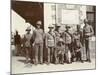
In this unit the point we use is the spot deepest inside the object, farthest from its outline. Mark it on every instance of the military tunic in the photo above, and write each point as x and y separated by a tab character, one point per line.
58	48
27	38
67	40
50	44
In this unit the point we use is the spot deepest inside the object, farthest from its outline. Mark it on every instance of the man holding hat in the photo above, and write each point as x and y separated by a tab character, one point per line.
50	43
87	33
38	36
27	38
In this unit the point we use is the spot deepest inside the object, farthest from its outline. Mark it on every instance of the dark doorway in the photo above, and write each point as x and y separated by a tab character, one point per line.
30	11
91	16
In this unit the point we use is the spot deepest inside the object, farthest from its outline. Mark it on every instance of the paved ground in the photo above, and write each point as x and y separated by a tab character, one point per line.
18	65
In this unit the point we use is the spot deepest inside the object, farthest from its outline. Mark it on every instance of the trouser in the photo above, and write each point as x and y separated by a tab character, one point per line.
78	56
18	49
38	53
50	54
56	56
61	57
28	53
67	54
87	49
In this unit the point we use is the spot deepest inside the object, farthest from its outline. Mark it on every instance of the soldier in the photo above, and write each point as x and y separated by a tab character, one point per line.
67	39
17	42
50	44
38	36
77	46
27	38
79	31
87	33
60	51
57	36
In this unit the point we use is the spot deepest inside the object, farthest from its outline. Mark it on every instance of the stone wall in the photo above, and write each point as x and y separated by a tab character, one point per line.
53	15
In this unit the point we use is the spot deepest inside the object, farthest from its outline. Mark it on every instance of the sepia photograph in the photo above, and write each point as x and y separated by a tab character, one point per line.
52	37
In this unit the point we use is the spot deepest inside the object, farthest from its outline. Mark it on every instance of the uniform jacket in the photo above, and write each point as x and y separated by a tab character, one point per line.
50	39
57	36
27	39
67	37
87	31
38	36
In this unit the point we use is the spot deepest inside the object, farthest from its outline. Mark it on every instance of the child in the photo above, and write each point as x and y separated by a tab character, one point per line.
60	51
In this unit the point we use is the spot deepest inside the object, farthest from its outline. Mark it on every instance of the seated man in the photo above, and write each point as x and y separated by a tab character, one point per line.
60	51
77	47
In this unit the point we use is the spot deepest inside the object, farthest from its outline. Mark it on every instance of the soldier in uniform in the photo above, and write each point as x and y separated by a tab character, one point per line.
37	37
50	44
77	46
57	36
80	33
87	33
67	39
27	38
60	49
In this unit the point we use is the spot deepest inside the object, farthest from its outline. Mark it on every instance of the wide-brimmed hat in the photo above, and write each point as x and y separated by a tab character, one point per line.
78	26
51	26
58	25
67	26
86	20
39	22
28	29
16	31
61	40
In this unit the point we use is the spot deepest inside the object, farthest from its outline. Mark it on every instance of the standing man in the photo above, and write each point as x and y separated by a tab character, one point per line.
57	36
79	35
87	33
67	39
17	42
50	44
38	36
28	50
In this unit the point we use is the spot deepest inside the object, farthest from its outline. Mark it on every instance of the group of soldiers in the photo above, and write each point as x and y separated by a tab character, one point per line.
54	46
